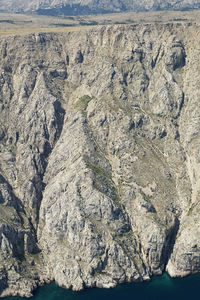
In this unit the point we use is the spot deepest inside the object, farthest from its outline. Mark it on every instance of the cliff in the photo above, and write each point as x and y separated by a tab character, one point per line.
99	156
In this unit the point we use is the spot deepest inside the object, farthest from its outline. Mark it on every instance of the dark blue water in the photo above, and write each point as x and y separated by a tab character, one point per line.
160	288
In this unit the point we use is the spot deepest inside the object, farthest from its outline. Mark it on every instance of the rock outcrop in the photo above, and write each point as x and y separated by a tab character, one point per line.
99	156
83	7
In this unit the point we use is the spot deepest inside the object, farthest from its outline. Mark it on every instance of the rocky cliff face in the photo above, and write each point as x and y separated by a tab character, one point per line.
75	7
99	156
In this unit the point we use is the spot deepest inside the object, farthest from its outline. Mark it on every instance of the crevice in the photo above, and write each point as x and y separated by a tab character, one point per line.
170	242
154	61
59	114
181	105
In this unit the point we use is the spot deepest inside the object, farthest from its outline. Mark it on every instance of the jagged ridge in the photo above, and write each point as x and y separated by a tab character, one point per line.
81	7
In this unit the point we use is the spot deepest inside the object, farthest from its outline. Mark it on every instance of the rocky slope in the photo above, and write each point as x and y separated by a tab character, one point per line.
74	7
99	156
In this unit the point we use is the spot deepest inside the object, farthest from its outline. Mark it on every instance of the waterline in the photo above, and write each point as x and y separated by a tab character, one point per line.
159	288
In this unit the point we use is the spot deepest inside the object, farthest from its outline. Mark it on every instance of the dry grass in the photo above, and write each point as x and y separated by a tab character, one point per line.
25	31
11	24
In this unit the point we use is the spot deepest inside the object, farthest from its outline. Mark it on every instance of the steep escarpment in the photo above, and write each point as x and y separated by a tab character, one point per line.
99	157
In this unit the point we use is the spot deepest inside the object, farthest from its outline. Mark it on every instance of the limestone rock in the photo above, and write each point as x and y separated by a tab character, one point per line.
79	7
99	156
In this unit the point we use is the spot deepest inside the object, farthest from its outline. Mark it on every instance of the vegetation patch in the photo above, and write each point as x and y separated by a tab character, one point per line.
82	103
98	170
90	23
7	21
62	25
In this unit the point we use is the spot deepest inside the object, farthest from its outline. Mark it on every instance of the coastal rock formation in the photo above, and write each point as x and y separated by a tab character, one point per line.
83	7
99	156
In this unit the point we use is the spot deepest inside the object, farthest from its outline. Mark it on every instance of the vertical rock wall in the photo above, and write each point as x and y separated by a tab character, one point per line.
99	159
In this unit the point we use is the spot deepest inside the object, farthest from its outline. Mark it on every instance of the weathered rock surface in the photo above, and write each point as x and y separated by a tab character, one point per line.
81	7
99	156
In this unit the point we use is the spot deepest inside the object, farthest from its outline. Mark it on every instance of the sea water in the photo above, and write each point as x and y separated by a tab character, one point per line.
159	288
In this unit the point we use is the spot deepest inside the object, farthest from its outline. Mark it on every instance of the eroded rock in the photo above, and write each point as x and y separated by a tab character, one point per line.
99	156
